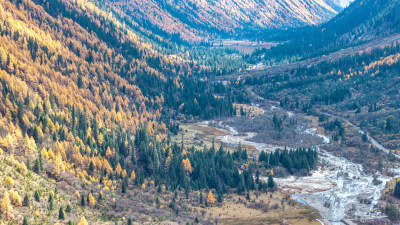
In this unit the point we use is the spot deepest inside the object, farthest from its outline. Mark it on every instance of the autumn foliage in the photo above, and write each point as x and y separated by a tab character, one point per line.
210	198
6	207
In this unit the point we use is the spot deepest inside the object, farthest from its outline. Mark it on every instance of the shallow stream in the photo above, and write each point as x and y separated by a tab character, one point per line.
352	194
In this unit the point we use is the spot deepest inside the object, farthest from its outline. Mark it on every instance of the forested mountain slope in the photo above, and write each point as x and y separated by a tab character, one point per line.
77	86
361	85
91	92
362	21
196	20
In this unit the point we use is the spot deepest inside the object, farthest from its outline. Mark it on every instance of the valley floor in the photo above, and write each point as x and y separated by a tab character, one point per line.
339	188
279	69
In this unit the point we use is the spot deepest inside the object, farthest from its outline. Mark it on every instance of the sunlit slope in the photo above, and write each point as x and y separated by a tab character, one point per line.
196	19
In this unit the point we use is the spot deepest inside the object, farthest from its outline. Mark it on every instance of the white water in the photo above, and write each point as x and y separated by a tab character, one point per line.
352	183
352	186
312	131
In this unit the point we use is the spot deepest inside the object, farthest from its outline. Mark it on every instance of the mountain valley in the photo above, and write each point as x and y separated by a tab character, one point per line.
199	112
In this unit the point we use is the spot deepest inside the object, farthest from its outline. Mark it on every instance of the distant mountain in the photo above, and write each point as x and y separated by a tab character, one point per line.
195	20
361	22
339	3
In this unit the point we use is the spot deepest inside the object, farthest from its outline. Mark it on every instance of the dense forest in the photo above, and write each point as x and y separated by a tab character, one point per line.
90	102
93	98
87	101
371	75
359	23
293	160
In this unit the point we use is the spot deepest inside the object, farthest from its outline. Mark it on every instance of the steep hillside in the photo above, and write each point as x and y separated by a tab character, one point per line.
362	21
359	84
195	20
92	93
77	86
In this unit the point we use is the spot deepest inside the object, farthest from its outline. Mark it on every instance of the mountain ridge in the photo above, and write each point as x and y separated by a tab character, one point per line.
92	96
196	20
361	22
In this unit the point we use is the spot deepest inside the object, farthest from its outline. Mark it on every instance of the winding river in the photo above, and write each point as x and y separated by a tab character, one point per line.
352	194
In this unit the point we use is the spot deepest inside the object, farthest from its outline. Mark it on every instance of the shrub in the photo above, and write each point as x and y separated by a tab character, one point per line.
68	209
16	199
22	168
26	201
9	181
61	215
392	212
396	192
37	195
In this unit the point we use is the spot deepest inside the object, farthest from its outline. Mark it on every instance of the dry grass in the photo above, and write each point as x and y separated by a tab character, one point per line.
271	210
199	136
388	191
245	46
136	204
252	110
28	183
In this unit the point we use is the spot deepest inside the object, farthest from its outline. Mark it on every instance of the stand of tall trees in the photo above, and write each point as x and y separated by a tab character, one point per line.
292	160
197	98
177	166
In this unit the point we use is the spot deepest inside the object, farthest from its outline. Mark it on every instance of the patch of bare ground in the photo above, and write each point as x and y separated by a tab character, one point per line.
245	46
200	135
387	193
317	182
285	130
270	208
248	110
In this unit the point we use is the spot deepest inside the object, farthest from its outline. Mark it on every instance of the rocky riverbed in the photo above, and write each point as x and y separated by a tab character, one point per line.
338	188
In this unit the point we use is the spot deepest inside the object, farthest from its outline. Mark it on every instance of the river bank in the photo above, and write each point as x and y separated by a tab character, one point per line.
339	189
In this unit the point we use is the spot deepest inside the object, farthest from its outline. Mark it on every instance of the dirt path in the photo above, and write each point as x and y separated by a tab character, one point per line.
373	141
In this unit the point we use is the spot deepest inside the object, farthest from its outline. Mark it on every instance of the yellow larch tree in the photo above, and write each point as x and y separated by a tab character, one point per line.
92	200
9	181
51	154
167	163
124	173
187	165
44	154
100	139
28	148
22	168
118	169
184	152
9	142
16	199
58	165
6	207
108	152
30	145
210	198
133	176
83	221
88	133
40	132
70	137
